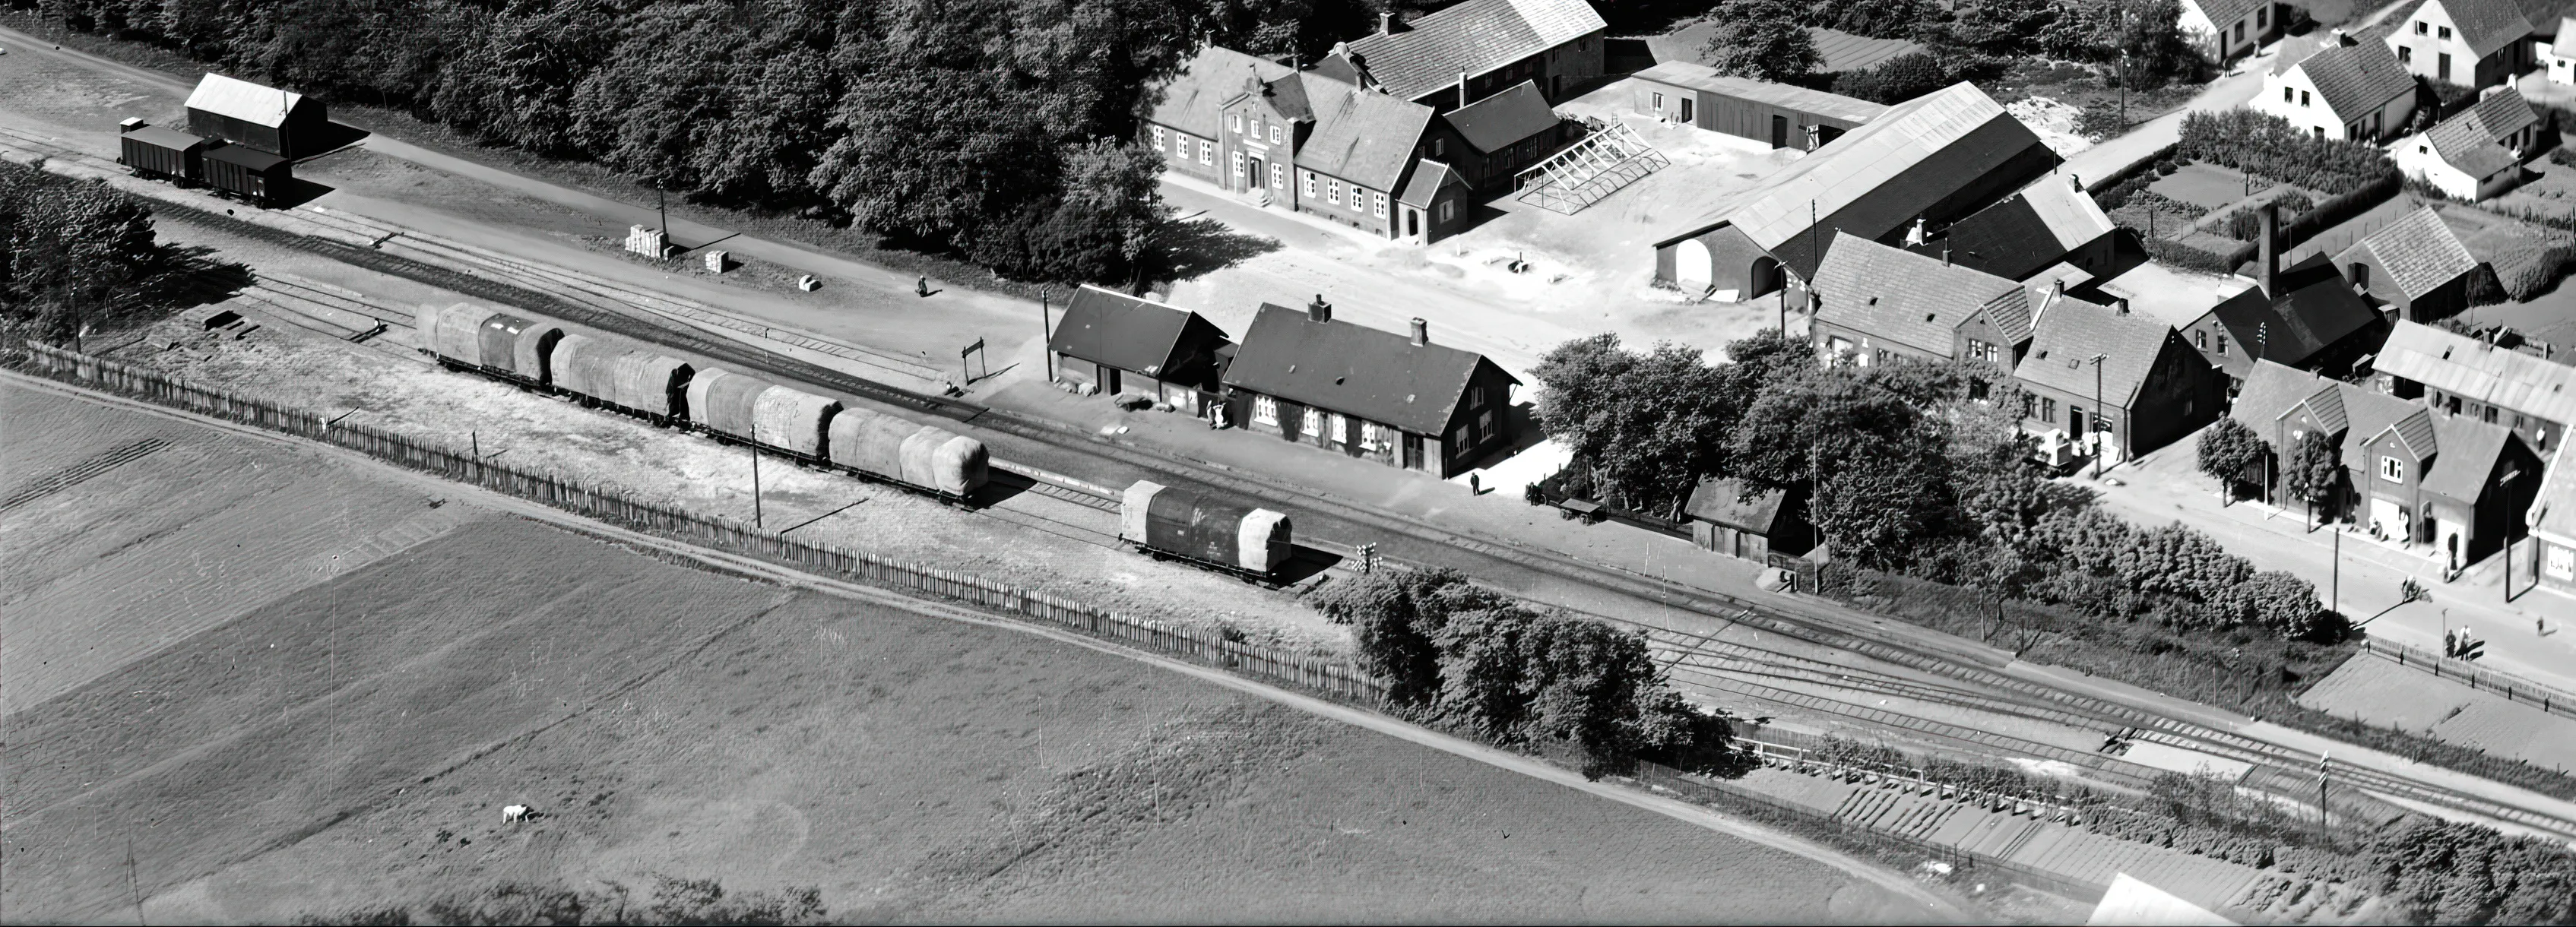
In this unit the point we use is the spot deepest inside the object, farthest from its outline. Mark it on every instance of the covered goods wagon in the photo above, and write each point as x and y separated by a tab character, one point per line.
152	151
795	421
875	444
580	363
726	402
247	174
1164	521
454	334
654	385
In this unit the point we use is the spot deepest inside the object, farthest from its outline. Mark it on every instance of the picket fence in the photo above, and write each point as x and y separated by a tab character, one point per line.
1210	647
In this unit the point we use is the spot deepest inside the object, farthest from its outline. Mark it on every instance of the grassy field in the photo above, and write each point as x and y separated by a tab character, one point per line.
349	746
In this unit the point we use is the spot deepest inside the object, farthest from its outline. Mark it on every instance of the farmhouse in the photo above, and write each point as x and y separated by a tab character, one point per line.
2472	378
262	118
1117	343
2555	55
2418	265
2476	154
1783	115
2552	521
1403	402
2224	29
2474	43
1876	304
1725	519
1473	50
1489	141
2337	88
2052	221
1935	158
2101	374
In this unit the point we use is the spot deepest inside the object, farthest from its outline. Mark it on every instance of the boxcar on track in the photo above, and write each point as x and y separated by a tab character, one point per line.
890	449
167	154
1165	522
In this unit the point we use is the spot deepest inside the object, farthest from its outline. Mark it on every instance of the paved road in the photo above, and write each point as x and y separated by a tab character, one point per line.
2118	154
1924	905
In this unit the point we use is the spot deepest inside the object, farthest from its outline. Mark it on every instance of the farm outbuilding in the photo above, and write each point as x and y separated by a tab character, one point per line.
247	174
278	122
1783	115
153	151
1118	343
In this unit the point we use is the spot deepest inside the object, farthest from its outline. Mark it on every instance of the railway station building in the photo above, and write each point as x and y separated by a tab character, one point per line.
1398	400
1119	344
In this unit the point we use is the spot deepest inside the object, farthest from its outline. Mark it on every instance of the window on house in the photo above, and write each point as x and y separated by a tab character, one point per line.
1237	158
1274	133
1485	423
1306	183
1659	102
2240	30
2405	55
2028	403
1448	210
1207	152
1279	181
1158	138
1439	147
2200	339
1265	410
2421	27
2289	96
2491	415
2222	345
1377	205
1312	423
2443	33
2321	131
1458	438
2392	469
2261	14
1333	191
2048	410
1235	123
2304	98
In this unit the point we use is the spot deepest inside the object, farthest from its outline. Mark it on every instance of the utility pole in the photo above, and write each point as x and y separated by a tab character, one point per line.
662	205
754	444
2123	38
1816	253
2509	477
2335	591
2096	424
2325	771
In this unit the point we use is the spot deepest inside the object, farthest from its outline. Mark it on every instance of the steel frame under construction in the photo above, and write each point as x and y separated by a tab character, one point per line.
1604	161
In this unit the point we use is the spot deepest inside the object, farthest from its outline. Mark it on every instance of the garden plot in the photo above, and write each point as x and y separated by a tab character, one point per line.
139	557
352	745
543	434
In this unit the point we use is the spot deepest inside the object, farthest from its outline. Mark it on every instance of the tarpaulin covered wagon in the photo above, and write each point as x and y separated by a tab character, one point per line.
1166	522
885	447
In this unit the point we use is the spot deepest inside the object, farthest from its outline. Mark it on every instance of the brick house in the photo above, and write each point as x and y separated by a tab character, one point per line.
2418	265
2457	375
2473	43
1876	304
1117	343
1401	401
2477	154
1467	52
2101	374
2224	29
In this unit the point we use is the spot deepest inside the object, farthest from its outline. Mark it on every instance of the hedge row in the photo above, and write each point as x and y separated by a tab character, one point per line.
2269	146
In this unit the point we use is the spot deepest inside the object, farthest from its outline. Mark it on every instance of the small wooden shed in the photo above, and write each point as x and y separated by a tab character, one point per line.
1783	115
1726	520
279	122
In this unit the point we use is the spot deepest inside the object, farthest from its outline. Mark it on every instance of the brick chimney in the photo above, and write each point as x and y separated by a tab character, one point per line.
1421	333
1386	23
2267	249
1462	90
1319	310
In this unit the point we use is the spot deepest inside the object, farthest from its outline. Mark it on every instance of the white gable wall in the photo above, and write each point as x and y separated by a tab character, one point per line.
2417	157
2422	54
2293	97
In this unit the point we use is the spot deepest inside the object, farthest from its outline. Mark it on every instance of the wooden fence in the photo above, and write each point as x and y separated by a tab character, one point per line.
2525	691
1330	678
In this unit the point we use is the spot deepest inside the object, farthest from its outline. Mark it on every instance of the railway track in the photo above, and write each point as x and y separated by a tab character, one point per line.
1478	555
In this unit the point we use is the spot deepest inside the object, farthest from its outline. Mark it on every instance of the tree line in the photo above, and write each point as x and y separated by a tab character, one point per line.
76	253
1973	41
1000	130
1917	468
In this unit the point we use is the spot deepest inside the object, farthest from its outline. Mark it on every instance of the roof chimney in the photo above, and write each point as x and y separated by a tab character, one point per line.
2268	250
2120	306
1386	23
1914	236
2057	289
2076	181
1421	333
1462	90
1319	310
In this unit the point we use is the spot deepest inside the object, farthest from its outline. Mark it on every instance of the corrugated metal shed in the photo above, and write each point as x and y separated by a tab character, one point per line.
1695	76
2473	369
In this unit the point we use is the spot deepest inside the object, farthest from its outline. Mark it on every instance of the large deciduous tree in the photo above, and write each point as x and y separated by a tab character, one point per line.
1761	39
2230	451
75	251
1651	423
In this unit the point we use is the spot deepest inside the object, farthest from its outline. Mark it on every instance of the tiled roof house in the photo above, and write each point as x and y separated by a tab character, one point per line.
1119	343
2147	389
2416	264
2476	154
2552	521
2473	43
1938	158
2224	29
2335	87
2052	221
1401	401
1877	304
2461	376
1472	50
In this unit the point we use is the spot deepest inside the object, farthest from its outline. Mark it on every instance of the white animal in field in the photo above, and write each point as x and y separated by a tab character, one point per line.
514	814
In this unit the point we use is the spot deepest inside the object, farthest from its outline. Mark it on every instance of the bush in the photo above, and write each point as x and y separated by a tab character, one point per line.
2269	146
2246	224
2165	167
2101	119
673	901
2561	156
1895	80
2190	257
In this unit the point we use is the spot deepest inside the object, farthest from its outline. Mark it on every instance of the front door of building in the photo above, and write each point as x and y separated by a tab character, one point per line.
1686	112
1108	380
1413	452
2387	519
1413	224
1252	175
1779	131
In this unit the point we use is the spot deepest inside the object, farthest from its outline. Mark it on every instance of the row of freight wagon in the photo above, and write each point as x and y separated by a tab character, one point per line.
599	371
236	171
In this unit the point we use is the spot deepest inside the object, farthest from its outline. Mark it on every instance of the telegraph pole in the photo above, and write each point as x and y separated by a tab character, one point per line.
2096	424
754	444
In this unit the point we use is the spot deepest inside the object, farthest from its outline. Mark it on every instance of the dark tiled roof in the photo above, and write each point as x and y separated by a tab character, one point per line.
2314	309
2502	112
2488	25
1194	100
2368	412
1838	51
1476	36
2271	391
1428	177
1722	502
1355	370
2225	13
2418	251
1897	295
1878	177
2027	232
1697	76
2357	79
2469	452
2073	331
1361	136
1125	332
1502	120
2472	140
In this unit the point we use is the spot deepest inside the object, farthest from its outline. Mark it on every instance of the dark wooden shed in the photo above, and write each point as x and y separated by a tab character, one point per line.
279	122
